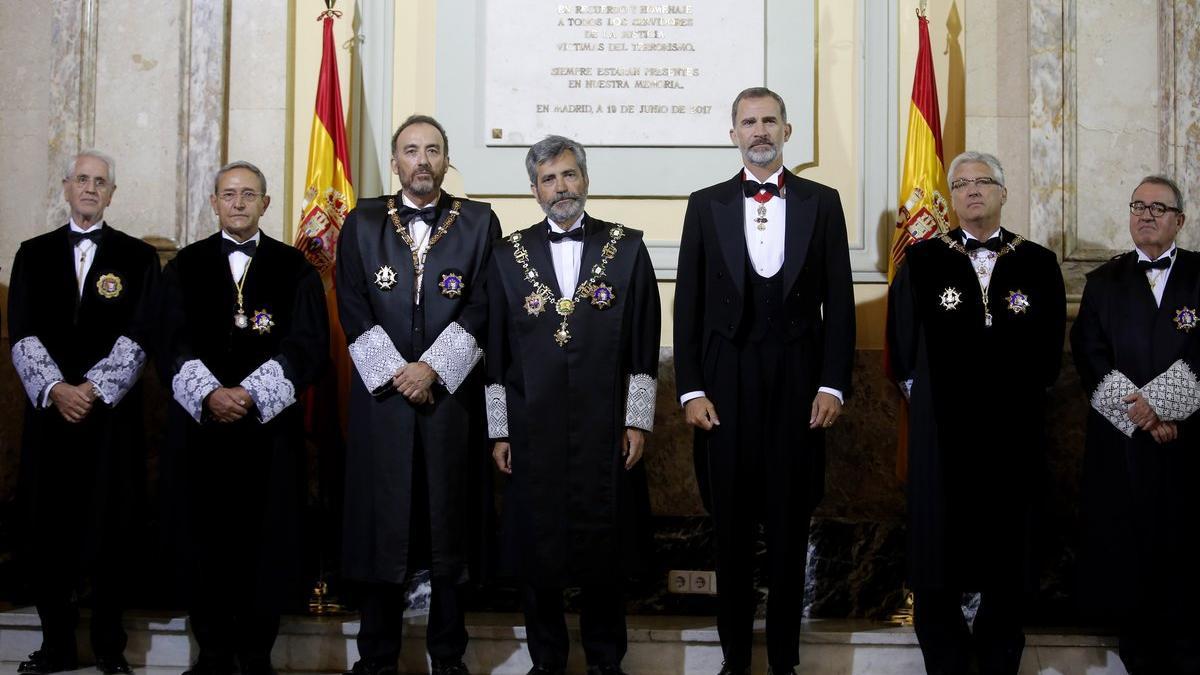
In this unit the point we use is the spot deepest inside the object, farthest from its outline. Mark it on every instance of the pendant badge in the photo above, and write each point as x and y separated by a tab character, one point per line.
1185	319
562	335
950	298
262	322
385	278
534	304
564	307
240	319
452	284
1018	302
602	295
109	286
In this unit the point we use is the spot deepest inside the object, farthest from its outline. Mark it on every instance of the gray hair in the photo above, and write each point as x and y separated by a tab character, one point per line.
758	92
980	157
422	119
69	169
240	164
1159	179
550	147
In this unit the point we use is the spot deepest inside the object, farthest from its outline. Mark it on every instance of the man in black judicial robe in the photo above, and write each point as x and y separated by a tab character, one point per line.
415	405
764	332
78	312
976	321
572	367
244	331
1136	344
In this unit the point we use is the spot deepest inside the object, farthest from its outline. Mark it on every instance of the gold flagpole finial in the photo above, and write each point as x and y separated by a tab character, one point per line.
921	7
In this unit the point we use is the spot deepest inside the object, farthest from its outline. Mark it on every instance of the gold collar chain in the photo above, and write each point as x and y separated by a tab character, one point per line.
418	256
984	289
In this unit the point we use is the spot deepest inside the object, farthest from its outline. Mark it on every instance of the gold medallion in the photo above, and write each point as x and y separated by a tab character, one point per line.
1018	302
109	285
564	306
262	322
452	284
1185	319
562	335
240	319
602	295
534	304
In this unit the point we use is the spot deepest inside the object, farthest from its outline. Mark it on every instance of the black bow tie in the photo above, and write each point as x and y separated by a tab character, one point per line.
92	235
1160	264
427	214
994	244
229	246
753	187
556	235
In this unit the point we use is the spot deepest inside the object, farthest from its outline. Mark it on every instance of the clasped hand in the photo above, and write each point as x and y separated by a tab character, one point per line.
1141	414
415	382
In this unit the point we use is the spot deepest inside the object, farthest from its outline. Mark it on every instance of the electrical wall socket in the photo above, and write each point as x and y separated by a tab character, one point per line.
703	582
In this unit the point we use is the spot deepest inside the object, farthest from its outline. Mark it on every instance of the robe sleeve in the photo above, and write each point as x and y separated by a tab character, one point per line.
1175	393
902	329
456	350
302	354
115	374
35	367
374	354
1054	323
1091	347
644	320
191	380
498	356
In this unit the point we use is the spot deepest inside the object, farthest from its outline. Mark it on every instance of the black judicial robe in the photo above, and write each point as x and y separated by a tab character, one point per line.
384	331
1141	507
977	407
572	514
234	491
81	485
817	328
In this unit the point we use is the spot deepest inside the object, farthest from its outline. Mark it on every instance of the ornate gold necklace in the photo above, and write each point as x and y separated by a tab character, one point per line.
418	255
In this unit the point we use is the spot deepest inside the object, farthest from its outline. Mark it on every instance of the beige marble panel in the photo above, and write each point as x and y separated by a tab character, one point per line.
1186	139
1048	114
136	115
981	68
204	111
257	136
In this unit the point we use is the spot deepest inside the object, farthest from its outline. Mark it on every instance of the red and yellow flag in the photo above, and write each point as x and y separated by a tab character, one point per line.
925	211
328	197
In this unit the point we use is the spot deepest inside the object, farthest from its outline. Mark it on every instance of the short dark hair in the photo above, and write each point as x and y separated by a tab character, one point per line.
240	164
550	147
758	92
422	119
1158	179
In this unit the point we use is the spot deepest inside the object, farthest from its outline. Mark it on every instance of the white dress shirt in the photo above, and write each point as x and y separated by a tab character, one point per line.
1158	278
237	259
567	255
84	255
420	231
983	260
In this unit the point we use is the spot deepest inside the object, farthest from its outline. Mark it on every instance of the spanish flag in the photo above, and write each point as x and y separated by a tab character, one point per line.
925	211
328	198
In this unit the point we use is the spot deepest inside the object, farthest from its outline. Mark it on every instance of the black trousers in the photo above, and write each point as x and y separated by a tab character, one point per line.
601	624
764	495
54	595
994	643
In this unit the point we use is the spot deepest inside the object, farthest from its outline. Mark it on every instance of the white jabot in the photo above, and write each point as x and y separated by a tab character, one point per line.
1158	278
765	246
566	255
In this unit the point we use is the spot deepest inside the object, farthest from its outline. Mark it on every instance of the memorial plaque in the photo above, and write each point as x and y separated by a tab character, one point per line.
618	74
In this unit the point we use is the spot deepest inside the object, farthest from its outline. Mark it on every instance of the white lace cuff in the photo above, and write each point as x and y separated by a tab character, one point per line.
1107	401
1173	394
497	410
376	358
191	384
115	374
453	355
906	389
270	389
35	367
639	402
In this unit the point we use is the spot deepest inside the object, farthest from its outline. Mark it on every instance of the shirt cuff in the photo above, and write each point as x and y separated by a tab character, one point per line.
836	393
689	396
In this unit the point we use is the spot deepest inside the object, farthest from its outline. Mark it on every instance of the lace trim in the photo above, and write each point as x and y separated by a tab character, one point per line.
376	358
639	402
191	384
271	390
453	355
1107	401
115	374
35	367
1173	394
497	410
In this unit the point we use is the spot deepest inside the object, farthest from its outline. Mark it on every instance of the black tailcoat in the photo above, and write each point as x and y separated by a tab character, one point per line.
383	425
1141	506
80	484
235	490
572	514
976	416
818	329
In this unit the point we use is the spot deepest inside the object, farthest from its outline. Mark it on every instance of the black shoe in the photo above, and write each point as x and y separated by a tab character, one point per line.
373	667
210	666
607	669
255	665
546	670
449	668
42	662
113	665
727	669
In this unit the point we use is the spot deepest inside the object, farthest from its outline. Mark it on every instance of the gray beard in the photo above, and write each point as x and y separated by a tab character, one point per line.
762	157
565	213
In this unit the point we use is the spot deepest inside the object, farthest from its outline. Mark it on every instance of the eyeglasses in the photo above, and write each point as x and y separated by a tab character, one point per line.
83	180
229	196
982	181
1157	209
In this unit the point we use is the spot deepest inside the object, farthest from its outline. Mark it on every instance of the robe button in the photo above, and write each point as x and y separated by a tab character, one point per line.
720	275
728	299
731	327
